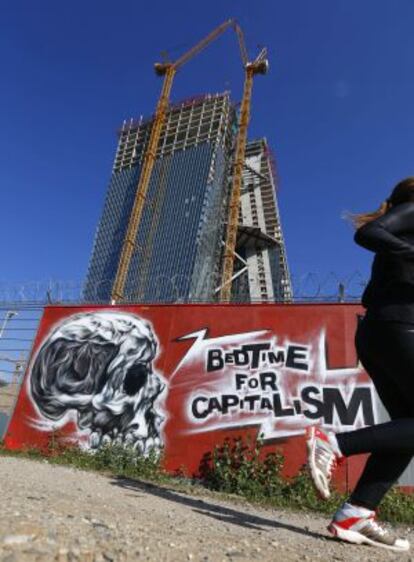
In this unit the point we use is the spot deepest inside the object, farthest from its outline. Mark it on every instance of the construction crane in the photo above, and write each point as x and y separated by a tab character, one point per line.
168	70
259	66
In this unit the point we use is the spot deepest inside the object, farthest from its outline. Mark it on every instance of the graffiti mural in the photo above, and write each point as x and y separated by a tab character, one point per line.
185	378
96	370
283	388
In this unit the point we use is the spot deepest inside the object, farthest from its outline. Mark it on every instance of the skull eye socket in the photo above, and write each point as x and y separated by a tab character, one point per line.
135	379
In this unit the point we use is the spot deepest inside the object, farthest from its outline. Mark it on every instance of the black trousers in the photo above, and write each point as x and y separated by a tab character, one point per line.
386	350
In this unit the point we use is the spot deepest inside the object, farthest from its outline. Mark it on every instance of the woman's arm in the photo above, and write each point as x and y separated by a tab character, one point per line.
382	235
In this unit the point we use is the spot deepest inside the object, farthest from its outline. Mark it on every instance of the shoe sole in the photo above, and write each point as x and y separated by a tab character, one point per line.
358	538
311	444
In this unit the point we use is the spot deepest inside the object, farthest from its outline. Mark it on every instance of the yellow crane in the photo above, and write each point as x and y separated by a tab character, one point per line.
168	70
258	66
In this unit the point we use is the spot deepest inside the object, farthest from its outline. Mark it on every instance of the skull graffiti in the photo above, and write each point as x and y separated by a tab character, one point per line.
98	367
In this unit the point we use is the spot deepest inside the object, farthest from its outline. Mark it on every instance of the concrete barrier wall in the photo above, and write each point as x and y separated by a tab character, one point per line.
187	377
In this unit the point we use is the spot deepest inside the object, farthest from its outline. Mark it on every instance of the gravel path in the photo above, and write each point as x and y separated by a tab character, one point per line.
65	515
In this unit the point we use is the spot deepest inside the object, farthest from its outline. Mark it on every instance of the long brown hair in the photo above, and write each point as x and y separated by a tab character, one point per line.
402	193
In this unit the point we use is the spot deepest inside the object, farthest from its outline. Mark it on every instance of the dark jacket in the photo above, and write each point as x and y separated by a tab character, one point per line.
389	294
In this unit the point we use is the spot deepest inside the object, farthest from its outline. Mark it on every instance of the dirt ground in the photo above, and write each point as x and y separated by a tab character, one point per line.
62	514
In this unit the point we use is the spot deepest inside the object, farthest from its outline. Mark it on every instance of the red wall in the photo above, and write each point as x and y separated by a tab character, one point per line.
296	367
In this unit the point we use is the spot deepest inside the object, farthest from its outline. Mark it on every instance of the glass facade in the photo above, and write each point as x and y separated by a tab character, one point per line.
178	243
110	235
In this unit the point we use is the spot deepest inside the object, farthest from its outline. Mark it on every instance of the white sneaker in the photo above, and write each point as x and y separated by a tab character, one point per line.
322	460
365	530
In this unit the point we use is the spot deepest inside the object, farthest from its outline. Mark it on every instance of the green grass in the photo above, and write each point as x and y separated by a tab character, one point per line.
237	469
111	459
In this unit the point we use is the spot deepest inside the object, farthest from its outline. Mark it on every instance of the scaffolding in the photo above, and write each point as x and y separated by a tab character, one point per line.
188	123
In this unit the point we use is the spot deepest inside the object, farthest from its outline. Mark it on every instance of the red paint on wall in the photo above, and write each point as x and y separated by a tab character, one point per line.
230	371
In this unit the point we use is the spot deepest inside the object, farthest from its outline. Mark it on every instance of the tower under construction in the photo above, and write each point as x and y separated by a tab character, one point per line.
178	243
178	253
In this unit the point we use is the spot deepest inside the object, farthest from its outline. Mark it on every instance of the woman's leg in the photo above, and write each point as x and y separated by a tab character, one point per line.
380	473
387	353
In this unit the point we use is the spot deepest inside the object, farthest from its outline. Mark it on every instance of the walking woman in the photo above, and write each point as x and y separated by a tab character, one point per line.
385	346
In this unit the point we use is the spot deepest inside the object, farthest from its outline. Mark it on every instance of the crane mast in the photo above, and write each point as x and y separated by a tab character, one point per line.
139	201
168	70
259	66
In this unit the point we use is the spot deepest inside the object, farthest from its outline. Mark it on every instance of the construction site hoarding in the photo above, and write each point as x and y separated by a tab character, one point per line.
186	378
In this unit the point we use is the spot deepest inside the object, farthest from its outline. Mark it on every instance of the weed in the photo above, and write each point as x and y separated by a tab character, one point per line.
397	507
241	468
114	459
238	469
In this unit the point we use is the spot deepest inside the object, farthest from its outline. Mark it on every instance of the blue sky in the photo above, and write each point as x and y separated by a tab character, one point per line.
336	107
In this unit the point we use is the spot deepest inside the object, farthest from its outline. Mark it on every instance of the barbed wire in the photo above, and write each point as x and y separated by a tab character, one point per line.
310	286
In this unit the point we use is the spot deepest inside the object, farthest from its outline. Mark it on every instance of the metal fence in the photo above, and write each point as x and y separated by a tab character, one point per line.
312	287
18	326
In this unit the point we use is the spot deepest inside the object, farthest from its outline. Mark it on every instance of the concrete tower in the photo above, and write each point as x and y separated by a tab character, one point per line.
261	263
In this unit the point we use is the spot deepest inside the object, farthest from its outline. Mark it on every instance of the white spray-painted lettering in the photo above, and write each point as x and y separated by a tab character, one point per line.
252	379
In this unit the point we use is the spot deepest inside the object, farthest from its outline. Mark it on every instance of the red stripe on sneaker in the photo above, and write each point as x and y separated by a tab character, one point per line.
347	523
321	434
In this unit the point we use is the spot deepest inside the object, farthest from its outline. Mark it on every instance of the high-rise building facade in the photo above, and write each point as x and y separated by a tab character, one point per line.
178	243
261	263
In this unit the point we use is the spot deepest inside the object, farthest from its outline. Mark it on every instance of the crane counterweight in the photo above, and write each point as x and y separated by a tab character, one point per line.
161	68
